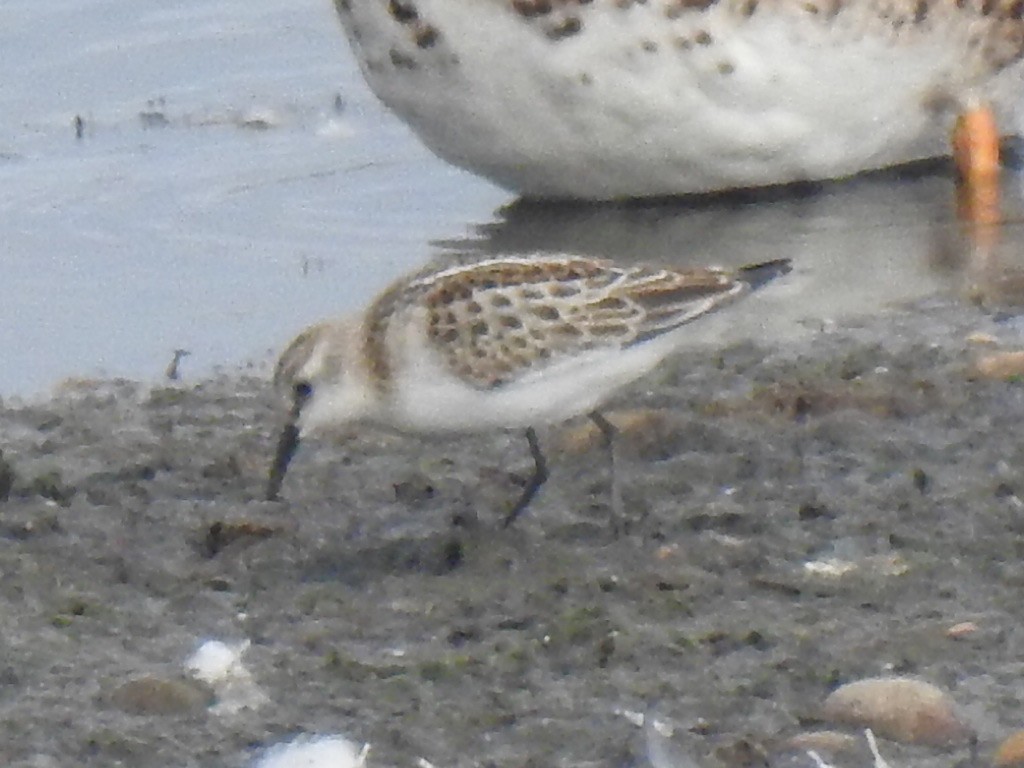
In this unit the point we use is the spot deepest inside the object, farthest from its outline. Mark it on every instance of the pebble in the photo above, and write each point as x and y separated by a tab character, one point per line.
898	708
1010	753
961	630
1000	365
982	339
630	423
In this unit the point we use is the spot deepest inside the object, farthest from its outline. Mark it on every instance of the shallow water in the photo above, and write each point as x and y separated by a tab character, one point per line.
236	180
219	198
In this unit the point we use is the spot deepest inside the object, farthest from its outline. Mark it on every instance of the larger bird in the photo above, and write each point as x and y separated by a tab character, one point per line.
604	99
512	343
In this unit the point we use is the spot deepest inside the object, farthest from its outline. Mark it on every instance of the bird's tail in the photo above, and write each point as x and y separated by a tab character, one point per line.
756	275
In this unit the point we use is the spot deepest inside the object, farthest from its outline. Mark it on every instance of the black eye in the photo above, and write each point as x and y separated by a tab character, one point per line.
302	390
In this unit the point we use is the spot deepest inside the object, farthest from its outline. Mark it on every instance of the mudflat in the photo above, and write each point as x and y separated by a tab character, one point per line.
798	517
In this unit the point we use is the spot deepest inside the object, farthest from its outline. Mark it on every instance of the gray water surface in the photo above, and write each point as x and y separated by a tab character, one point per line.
235	180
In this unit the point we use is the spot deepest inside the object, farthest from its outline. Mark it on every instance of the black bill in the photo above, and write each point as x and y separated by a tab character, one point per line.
287	445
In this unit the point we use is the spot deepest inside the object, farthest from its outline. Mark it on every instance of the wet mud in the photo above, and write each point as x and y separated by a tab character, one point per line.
384	601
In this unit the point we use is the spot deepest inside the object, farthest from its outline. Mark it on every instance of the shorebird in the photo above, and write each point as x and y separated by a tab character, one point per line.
612	99
509	343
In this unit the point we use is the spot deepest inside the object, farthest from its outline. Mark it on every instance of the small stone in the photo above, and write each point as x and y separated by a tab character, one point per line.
1000	365
832	568
159	696
1010	753
982	339
963	629
898	708
666	551
631	424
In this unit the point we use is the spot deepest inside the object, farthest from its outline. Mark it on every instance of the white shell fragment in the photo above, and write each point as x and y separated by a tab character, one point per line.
220	665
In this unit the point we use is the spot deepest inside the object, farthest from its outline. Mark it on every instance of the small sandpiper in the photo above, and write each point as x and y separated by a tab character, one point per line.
510	343
611	99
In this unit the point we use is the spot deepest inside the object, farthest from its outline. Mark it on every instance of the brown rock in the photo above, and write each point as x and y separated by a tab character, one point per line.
1000	365
631	424
961	629
898	708
1011	752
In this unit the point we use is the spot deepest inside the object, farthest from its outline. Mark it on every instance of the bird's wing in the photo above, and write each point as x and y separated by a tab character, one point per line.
498	320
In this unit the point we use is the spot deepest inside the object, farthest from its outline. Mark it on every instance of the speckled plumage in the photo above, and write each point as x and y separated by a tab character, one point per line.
503	343
621	98
496	320
489	324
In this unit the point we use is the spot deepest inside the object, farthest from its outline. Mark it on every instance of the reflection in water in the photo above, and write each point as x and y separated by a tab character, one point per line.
858	247
993	256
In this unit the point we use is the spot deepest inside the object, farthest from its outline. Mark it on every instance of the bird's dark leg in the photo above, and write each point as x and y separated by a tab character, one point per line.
540	474
609	433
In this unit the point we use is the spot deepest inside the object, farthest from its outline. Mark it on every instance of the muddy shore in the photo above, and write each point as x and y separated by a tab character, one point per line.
383	601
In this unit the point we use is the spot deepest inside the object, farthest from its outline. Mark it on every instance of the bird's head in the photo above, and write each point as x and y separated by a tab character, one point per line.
313	379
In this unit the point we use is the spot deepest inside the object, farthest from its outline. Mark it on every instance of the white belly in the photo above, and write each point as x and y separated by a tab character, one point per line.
637	104
427	398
